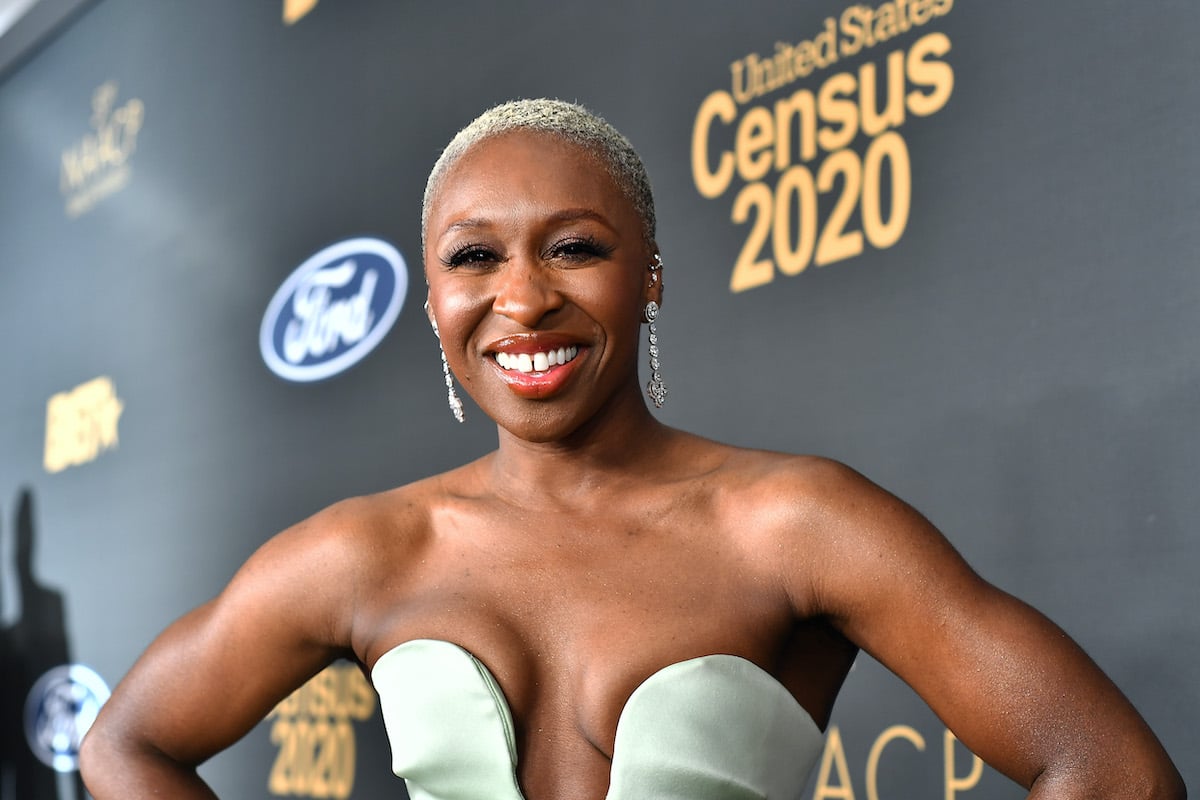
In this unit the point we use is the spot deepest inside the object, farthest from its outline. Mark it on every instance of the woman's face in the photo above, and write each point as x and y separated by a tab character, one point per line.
538	273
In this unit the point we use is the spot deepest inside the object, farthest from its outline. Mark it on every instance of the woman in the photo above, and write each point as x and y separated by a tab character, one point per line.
603	603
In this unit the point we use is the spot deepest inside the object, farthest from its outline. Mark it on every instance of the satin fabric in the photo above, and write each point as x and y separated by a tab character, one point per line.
715	727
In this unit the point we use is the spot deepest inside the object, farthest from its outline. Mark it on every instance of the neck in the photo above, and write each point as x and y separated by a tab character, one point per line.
618	447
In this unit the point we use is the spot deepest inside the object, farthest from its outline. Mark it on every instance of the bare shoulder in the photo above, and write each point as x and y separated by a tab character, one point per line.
793	476
356	528
793	496
825	530
349	530
327	568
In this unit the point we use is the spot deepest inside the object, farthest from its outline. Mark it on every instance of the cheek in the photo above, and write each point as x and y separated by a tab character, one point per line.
458	312
452	307
628	301
618	311
612	294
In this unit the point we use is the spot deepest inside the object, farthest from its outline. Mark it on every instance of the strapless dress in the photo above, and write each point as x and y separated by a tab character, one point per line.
716	727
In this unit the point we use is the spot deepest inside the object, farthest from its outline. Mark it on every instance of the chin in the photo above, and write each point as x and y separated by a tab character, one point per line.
539	426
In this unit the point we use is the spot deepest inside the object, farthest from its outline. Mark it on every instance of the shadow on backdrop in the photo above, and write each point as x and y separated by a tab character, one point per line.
31	645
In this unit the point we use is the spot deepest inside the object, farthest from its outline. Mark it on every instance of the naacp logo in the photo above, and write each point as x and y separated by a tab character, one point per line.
333	309
99	164
60	709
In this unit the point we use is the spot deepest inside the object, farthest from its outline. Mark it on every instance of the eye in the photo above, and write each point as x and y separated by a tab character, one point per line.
470	255
579	249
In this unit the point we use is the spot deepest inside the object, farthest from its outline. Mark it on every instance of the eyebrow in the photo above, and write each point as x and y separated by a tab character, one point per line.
564	215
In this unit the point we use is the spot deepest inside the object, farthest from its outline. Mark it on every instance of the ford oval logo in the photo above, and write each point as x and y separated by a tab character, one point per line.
333	309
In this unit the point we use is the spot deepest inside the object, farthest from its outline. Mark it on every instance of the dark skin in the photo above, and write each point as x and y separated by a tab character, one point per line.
595	546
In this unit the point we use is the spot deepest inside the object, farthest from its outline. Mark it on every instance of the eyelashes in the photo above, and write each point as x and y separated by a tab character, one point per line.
468	254
571	249
581	248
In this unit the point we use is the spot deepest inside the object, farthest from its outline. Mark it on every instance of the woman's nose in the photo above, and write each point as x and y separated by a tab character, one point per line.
526	292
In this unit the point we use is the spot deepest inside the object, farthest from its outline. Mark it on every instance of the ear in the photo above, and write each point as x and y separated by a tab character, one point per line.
654	276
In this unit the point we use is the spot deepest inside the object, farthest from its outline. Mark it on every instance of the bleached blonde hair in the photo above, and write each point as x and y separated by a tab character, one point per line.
568	121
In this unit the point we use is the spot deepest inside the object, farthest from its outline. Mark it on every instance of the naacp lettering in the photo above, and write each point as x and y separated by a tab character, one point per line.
333	309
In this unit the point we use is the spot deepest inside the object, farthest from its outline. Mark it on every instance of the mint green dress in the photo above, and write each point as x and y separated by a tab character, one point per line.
711	728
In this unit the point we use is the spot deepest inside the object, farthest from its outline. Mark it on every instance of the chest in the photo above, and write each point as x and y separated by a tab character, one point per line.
573	571
572	613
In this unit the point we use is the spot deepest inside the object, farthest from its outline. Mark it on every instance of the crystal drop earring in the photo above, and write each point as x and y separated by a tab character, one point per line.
656	389
452	399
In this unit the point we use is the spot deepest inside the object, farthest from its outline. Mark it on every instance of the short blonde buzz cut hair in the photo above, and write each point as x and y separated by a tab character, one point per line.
568	121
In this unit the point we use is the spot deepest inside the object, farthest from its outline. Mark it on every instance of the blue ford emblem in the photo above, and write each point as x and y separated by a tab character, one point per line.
333	309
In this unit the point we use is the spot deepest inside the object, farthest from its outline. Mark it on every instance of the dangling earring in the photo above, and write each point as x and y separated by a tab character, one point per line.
656	389
456	405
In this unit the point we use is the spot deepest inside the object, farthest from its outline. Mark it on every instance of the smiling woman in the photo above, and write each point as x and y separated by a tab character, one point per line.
605	606
557	259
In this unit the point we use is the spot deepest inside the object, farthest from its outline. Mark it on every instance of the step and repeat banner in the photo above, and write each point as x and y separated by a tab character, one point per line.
951	243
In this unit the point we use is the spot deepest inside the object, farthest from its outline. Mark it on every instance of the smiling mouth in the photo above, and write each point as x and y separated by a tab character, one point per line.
528	363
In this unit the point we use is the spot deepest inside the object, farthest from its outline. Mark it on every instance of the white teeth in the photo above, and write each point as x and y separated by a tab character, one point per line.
536	362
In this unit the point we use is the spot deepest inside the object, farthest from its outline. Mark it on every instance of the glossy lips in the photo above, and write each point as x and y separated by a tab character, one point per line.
535	373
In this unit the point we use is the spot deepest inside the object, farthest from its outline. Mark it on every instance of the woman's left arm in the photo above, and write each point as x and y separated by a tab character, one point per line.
1010	684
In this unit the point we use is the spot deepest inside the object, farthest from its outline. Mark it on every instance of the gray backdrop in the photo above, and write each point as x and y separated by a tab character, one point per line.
1017	358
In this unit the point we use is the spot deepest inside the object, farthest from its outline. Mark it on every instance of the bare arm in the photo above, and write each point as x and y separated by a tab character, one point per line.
1012	686
212	675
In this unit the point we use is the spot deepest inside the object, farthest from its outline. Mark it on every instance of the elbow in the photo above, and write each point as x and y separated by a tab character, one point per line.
99	760
1161	780
1164	783
1171	786
1161	783
91	761
1160	787
1156	780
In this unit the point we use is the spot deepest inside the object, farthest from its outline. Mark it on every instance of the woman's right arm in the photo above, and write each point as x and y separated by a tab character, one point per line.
216	672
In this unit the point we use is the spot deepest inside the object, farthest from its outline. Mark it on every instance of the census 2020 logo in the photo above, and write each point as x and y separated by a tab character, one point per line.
333	309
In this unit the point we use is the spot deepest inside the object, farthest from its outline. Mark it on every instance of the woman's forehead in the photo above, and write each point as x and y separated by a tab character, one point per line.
523	167
520	154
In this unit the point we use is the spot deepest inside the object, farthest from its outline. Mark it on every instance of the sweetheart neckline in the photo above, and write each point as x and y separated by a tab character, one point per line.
634	707
491	677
